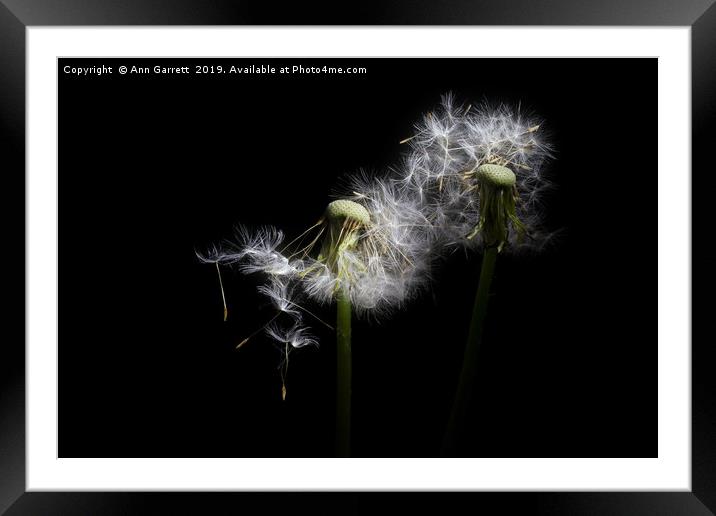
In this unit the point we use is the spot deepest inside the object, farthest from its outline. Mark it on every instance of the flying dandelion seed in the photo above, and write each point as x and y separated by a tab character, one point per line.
293	337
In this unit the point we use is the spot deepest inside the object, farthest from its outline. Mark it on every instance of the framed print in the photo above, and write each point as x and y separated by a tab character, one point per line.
323	266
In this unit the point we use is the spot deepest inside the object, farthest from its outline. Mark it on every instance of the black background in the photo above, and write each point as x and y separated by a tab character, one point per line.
152	168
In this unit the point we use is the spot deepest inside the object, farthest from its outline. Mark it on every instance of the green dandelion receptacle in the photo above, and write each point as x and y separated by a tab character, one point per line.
496	175
343	209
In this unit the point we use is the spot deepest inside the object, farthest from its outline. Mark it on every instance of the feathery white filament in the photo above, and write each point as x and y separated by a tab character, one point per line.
296	335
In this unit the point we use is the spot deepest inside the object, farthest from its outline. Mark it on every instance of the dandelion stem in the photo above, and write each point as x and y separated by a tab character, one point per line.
463	396
343	374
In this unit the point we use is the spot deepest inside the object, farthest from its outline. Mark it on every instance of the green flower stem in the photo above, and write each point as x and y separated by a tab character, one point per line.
343	372
464	392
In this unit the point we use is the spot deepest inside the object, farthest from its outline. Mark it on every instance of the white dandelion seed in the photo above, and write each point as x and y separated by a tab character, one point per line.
279	291
293	337
296	335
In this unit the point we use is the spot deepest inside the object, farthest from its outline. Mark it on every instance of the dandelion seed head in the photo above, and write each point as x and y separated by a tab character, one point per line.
443	167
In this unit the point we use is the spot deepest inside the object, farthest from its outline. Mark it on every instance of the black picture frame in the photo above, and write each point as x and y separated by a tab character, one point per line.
16	15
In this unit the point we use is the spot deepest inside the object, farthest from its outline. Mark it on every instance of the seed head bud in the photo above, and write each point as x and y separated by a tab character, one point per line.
496	175
343	209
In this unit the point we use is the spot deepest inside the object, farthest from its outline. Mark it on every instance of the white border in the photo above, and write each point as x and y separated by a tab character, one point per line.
670	471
